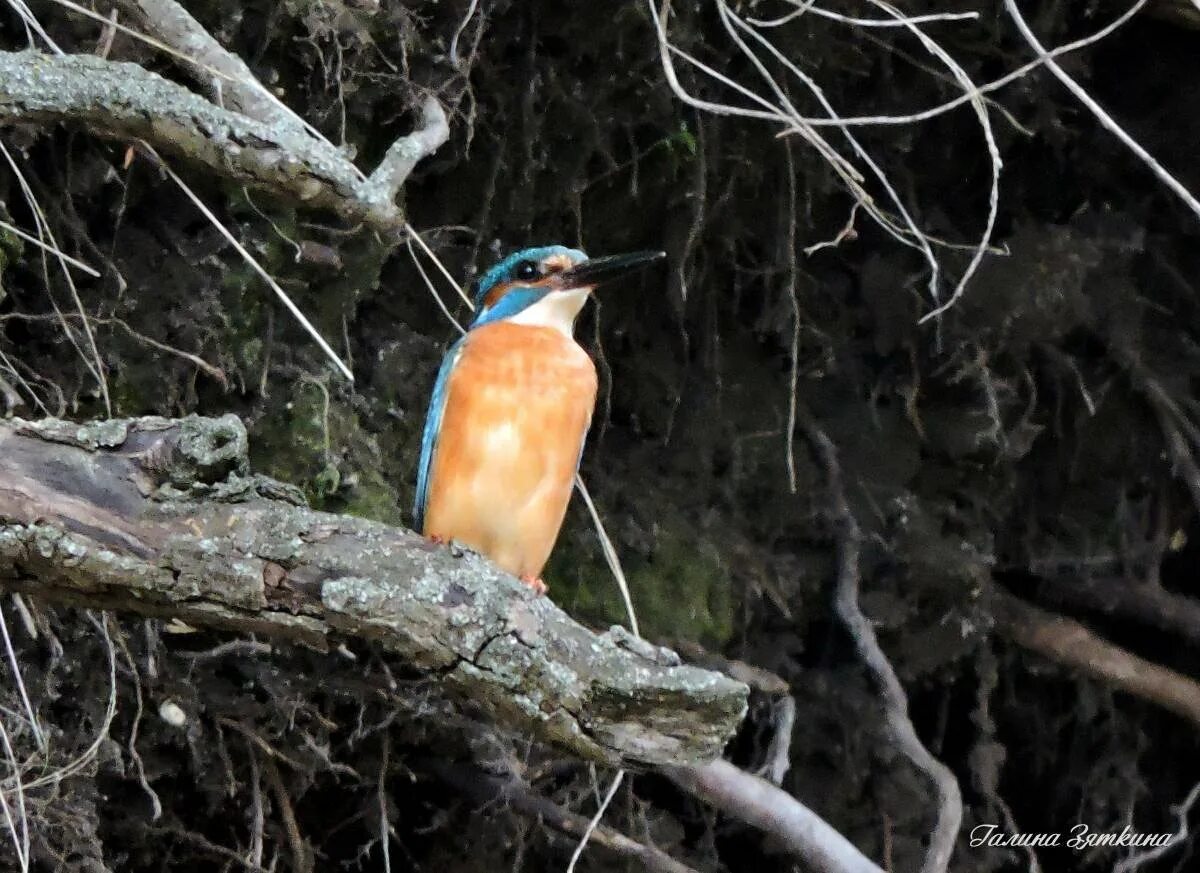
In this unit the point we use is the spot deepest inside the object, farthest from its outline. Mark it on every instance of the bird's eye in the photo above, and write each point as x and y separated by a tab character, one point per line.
527	270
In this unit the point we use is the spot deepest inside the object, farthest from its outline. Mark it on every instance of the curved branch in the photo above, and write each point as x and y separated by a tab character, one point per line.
160	517
891	692
772	810
237	89
1068	642
1145	603
126	102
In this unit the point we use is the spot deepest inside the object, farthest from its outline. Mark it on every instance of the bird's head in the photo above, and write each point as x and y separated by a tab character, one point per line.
547	286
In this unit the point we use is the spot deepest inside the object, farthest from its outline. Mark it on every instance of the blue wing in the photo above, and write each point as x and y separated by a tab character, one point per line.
433	426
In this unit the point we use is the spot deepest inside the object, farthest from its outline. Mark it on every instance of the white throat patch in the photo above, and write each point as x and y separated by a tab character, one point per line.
558	310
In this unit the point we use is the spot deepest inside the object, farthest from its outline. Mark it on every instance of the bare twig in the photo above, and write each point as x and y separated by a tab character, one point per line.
1182	810
244	648
389	177
1098	111
778	759
95	363
385	828
595	820
302	860
452	52
215	372
254	265
19	682
412	234
32	25
156	809
81	761
610	554
789	446
485	788
197	841
20	840
257	817
33	240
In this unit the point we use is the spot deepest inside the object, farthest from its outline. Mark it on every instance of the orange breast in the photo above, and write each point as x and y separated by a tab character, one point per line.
518	405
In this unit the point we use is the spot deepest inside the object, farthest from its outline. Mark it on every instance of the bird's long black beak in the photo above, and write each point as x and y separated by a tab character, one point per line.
594	271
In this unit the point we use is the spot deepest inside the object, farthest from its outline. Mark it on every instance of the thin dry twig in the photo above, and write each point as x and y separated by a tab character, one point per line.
257	817
1182	811
247	648
610	554
794	300
20	840
32	24
1106	120
80	762
302	861
595	820
58	253
156	808
412	234
781	111
483	787
197	841
385	828
96	364
253	263
778	759
112	321
19	682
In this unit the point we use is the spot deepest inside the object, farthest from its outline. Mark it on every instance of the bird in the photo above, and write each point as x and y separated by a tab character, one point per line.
511	408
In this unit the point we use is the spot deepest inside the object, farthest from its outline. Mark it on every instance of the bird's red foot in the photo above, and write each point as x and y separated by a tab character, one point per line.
538	586
436	540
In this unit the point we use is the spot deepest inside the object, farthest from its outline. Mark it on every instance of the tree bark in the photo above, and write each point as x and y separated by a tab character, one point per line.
161	517
125	102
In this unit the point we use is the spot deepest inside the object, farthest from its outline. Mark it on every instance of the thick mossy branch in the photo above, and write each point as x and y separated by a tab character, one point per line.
161	517
126	102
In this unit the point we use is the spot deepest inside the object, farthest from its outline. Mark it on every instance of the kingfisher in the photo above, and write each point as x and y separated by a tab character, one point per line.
511	409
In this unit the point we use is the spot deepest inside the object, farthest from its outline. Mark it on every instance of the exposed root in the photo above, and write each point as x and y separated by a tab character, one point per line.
1071	644
891	692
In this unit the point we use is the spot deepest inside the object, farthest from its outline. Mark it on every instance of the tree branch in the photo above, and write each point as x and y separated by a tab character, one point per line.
126	102
235	87
891	692
757	802
1146	603
1070	643
160	517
